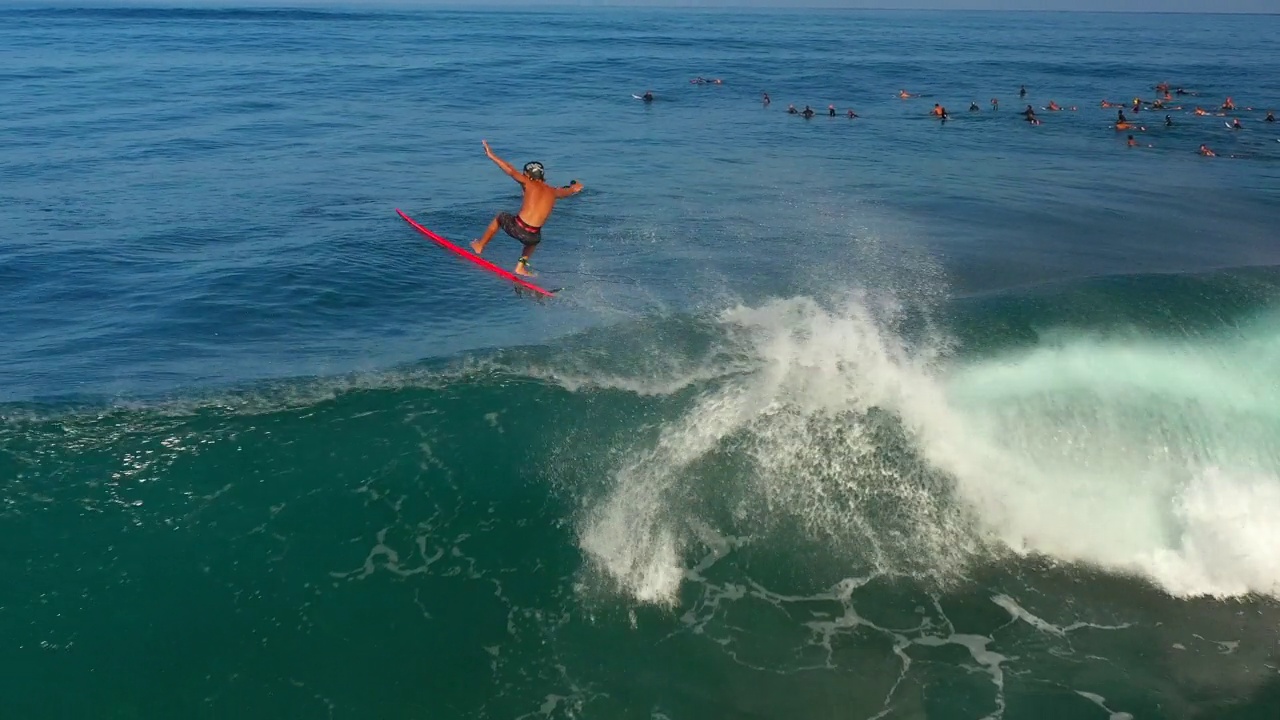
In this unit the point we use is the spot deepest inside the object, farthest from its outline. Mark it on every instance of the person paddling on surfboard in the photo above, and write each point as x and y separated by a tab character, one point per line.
539	200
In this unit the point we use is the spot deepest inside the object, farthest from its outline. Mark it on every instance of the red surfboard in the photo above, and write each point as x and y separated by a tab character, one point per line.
504	274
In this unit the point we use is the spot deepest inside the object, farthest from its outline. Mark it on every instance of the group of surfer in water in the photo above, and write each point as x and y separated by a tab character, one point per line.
540	197
1164	94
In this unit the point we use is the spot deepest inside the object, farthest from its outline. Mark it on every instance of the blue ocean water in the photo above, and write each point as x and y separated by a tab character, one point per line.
881	417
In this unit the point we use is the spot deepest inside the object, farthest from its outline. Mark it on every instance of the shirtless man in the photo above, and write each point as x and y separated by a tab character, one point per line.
539	200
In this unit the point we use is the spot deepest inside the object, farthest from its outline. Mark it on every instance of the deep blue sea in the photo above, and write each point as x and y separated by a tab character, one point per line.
832	418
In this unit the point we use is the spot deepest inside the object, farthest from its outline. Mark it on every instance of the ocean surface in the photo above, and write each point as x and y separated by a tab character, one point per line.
873	418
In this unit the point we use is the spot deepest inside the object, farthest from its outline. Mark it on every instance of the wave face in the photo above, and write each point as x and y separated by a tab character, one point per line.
862	502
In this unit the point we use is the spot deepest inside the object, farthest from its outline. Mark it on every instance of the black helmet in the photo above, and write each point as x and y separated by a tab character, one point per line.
534	170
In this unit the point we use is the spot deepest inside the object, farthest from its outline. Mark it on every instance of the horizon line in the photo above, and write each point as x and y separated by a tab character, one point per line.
485	5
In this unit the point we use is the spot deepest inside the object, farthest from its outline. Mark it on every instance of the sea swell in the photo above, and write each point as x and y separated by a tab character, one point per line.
846	429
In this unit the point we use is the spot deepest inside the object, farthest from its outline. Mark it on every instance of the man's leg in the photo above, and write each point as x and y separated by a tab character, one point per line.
522	267
478	245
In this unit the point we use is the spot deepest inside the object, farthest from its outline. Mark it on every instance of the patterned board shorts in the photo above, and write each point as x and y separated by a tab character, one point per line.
518	229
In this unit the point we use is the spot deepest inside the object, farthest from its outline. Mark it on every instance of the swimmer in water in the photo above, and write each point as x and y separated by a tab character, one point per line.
1271	116
995	103
791	110
766	99
831	111
852	114
1200	111
1132	142
1022	92
808	112
1168	121
1054	106
973	106
904	94
1205	151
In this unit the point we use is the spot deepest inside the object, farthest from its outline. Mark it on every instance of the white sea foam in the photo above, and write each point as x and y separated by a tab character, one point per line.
1147	457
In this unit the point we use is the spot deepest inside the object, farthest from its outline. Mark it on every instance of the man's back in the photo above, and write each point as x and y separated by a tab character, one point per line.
539	201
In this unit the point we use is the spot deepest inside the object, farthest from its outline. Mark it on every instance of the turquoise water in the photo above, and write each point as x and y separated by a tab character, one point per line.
871	418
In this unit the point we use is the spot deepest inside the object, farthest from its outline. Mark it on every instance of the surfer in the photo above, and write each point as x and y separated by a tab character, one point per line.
647	96
995	104
1205	151
539	200
767	100
1022	92
831	111
853	114
1132	142
1271	116
807	113
791	110
1168	121
973	106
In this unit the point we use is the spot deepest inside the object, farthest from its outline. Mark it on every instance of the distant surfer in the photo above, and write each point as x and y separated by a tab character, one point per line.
1132	142
973	106
766	99
995	104
1235	124
1022	92
831	111
1168	121
647	96
1271	116
539	200
1205	151
852	115
791	110
807	113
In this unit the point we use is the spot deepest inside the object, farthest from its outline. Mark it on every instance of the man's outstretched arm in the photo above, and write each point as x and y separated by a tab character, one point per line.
506	166
573	188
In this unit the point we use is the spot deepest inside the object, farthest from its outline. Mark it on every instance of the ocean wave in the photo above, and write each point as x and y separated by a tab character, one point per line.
1146	456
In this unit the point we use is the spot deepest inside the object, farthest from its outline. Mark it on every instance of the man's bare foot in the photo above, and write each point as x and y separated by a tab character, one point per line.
477	247
523	269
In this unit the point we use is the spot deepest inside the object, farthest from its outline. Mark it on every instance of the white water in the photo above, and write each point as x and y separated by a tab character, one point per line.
1158	458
